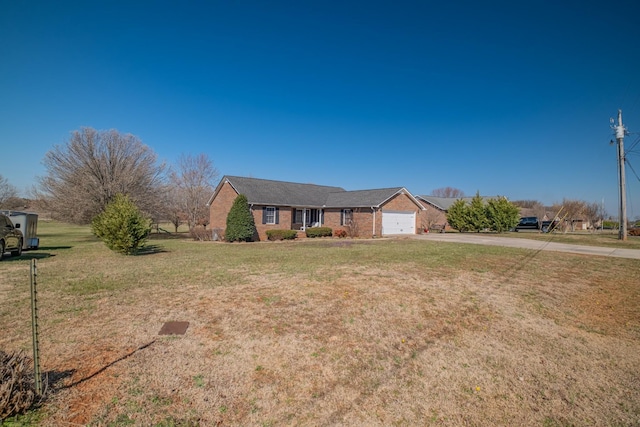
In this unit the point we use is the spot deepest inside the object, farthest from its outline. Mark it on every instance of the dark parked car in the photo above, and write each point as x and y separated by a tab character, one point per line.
528	223
548	226
10	237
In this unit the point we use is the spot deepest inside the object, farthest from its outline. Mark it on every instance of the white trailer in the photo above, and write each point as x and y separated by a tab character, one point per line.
27	222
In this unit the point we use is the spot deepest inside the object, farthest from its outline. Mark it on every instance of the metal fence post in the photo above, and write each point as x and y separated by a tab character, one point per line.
34	327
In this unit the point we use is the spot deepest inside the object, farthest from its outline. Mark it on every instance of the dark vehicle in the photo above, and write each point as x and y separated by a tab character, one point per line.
528	223
548	226
10	237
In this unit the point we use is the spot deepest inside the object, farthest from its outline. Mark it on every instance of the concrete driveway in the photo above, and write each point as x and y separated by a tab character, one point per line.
537	245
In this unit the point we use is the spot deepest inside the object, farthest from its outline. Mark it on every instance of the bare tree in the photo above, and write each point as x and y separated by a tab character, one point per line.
92	167
540	211
174	212
7	191
527	204
593	213
193	180
571	211
448	192
352	225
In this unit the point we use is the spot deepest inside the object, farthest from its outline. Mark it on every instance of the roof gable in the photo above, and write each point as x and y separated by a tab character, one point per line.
366	198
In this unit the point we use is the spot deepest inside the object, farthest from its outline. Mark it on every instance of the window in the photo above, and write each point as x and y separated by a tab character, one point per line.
270	215
347	217
298	219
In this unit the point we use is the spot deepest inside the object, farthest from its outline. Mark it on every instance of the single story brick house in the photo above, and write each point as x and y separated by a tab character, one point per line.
296	206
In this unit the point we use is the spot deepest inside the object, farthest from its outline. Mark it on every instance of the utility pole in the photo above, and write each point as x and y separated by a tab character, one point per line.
620	132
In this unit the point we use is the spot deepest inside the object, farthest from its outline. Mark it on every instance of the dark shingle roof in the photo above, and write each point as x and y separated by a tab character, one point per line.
442	203
268	192
281	193
361	198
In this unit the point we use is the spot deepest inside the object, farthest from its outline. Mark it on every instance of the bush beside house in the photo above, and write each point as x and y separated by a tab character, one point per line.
240	224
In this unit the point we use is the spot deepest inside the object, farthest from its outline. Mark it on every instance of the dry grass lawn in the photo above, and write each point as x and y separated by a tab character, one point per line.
327	332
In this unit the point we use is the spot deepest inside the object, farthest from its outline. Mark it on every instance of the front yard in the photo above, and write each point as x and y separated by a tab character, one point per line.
327	332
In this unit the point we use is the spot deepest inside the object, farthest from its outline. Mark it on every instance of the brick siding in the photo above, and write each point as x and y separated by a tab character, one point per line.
363	217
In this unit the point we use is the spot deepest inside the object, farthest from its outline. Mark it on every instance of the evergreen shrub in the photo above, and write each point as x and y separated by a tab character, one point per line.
240	224
278	234
319	232
121	226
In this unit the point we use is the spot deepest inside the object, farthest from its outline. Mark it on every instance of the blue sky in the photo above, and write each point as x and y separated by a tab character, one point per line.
510	98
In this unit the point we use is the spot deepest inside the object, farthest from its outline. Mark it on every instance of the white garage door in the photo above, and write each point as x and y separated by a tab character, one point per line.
398	222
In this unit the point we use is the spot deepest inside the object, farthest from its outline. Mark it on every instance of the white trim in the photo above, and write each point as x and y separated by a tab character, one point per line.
266	216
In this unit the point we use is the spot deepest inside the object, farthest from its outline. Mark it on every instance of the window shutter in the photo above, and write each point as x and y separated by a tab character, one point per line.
277	215
342	217
264	214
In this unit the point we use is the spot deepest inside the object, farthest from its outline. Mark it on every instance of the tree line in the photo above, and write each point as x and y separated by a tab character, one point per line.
85	173
567	213
94	167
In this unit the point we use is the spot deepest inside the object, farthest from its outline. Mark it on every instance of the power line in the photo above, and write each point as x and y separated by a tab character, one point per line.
632	170
630	149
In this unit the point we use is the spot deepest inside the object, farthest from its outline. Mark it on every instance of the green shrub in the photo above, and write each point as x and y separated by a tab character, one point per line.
458	216
498	215
319	232
281	234
502	215
121	226
477	214
240	224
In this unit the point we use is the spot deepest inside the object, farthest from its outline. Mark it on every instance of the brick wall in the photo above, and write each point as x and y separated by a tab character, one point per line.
400	202
285	220
432	216
220	207
363	217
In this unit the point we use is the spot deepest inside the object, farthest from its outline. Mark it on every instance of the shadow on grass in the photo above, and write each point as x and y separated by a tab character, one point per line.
53	379
27	256
150	250
104	368
169	236
52	248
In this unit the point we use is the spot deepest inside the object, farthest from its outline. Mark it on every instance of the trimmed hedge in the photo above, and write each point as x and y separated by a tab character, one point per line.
281	234
319	232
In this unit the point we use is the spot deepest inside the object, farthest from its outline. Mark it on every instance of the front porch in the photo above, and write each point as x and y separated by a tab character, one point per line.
303	218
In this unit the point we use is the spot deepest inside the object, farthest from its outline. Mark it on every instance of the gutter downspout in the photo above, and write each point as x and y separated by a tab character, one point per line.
374	221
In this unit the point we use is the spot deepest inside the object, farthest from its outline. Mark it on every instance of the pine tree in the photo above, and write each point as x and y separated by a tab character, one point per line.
121	226
502	214
458	216
477	214
240	224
